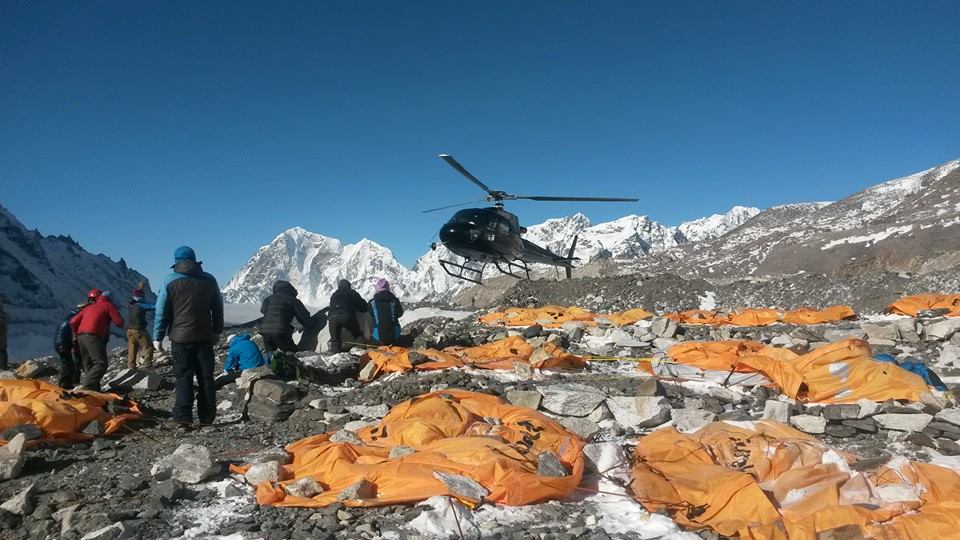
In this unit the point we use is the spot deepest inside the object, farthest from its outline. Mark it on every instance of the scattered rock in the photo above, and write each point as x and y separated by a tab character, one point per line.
275	390
462	486
34	369
690	420
570	399
116	531
369	411
189	463
259	473
867	408
941	330
922	439
400	451
532	331
841	412
136	379
948	447
607	458
809	423
584	427
639	412
866	425
345	436
548	464
249	376
950	416
649	387
776	410
169	490
904	422
20	504
12	457
364	489
305	487
840	430
525	398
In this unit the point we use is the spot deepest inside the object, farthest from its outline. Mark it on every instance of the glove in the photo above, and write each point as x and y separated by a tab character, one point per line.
158	345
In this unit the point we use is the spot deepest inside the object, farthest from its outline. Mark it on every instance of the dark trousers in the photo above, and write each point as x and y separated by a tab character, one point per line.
194	361
284	343
69	369
93	351
337	327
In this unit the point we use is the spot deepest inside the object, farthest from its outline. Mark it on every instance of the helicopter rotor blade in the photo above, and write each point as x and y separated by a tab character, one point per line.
575	199
460	169
451	206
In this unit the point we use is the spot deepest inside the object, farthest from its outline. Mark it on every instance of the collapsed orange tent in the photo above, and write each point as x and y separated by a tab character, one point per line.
475	435
500	354
59	413
840	372
767	481
912	305
557	316
763	316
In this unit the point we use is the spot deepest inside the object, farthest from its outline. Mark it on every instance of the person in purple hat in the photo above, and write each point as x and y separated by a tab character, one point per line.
386	311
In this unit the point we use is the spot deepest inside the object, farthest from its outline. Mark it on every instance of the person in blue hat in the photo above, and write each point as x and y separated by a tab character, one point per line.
189	310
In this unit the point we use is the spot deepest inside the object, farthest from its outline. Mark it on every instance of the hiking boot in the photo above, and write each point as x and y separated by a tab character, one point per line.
183	425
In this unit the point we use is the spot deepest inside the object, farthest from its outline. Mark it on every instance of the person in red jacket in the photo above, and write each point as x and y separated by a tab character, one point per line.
92	328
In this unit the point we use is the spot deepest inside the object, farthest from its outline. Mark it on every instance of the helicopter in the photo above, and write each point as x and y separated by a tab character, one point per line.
492	235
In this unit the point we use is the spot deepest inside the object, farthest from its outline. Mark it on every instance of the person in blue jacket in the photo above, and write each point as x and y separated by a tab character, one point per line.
243	354
63	344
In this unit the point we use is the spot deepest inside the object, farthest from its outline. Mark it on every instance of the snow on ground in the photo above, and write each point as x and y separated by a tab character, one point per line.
708	302
234	500
869	239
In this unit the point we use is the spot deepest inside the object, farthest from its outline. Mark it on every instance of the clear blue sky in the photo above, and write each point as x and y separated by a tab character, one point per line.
138	126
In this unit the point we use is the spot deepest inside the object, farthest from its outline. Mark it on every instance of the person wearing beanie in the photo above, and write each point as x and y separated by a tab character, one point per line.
138	339
345	304
91	326
386	311
189	310
279	309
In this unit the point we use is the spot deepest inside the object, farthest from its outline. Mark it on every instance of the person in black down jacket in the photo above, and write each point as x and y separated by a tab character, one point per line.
386	310
278	310
345	303
190	312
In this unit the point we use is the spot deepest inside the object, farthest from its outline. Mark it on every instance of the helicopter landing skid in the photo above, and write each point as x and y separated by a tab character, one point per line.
462	271
510	269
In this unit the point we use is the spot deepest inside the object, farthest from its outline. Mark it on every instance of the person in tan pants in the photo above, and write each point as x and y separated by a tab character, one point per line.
138	340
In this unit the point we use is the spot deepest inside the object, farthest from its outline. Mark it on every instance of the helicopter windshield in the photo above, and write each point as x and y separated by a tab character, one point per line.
469	217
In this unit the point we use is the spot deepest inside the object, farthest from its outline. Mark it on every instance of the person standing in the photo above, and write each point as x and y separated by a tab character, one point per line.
63	343
189	311
138	339
345	303
386	310
92	328
279	310
4	362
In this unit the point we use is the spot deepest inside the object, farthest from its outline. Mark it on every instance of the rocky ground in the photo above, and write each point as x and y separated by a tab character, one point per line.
152	480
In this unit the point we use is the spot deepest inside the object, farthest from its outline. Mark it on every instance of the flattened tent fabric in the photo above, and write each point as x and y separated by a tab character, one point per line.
840	372
59	413
913	305
557	316
767	481
763	316
454	432
500	354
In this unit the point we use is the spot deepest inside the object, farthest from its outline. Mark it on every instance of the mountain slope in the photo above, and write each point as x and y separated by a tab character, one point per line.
43	277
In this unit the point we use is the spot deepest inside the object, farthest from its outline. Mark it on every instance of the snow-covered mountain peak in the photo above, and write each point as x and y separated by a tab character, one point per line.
717	225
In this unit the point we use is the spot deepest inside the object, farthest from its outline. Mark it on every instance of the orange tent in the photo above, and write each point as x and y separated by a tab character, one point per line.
763	316
477	436
912	305
840	372
59	413
500	354
557	316
766	481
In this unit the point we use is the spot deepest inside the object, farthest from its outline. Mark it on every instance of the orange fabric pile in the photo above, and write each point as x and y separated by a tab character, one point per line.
767	481
61	414
557	316
763	316
912	305
840	372
500	354
478	436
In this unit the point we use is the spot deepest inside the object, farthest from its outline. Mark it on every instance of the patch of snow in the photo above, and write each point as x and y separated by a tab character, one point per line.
869	238
208	517
708	302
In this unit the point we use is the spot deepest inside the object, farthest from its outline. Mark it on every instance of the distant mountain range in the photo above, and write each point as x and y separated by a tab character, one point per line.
314	263
907	224
43	277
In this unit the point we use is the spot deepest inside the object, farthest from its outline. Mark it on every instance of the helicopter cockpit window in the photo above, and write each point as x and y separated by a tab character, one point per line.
465	216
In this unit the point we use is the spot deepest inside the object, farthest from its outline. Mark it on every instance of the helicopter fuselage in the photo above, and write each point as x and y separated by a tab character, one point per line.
491	235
